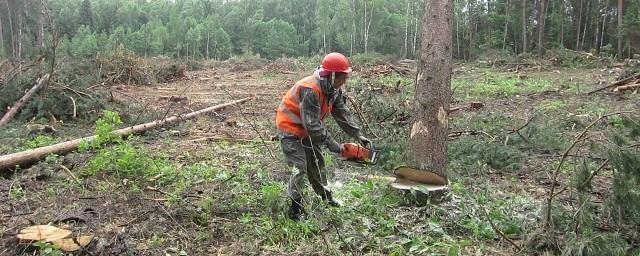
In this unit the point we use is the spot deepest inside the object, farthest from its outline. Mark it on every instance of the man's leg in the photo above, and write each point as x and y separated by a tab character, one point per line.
296	160
317	173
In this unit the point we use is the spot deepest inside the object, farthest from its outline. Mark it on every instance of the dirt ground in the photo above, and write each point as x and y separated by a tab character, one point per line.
146	222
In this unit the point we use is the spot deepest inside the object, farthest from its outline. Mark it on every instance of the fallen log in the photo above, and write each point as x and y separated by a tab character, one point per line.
34	155
626	87
12	112
617	83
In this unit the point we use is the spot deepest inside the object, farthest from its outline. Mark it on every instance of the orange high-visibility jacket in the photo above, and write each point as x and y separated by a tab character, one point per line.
288	116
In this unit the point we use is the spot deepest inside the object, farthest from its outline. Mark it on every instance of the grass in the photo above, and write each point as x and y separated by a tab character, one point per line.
491	84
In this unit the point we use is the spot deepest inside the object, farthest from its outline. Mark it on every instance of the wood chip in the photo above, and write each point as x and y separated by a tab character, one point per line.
70	245
45	233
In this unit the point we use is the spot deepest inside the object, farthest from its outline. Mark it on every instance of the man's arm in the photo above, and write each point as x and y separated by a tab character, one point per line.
310	112
343	117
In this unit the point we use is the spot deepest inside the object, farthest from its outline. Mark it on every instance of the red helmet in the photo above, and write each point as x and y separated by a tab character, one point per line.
336	62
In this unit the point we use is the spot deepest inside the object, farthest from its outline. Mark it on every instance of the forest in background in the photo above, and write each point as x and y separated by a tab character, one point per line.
219	29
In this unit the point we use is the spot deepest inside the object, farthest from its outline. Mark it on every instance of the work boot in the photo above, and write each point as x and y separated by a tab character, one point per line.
296	210
328	198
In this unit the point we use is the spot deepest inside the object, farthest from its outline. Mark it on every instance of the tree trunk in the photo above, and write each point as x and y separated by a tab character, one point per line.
541	23
563	12
34	155
415	31
524	26
208	43
324	41
596	37
586	24
27	96
19	27
457	36
40	27
579	26
367	25
364	26
406	31
428	137
11	51
353	26
506	25
620	16
604	22
1	36
471	7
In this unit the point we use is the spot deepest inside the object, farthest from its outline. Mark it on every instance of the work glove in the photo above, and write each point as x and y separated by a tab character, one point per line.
364	141
333	146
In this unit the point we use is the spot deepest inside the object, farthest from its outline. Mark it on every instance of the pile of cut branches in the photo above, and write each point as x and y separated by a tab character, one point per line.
125	67
284	66
385	69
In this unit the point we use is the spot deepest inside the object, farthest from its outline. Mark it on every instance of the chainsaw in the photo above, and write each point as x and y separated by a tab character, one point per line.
359	154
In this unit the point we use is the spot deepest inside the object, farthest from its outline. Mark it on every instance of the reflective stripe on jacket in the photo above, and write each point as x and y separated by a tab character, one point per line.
288	116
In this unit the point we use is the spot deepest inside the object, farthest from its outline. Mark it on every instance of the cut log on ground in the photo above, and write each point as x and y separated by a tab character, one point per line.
34	155
626	87
617	83
12	112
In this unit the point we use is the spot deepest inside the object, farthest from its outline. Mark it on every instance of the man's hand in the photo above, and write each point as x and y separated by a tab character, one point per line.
364	141
333	146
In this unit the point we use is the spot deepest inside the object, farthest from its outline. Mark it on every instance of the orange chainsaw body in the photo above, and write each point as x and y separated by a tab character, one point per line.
358	153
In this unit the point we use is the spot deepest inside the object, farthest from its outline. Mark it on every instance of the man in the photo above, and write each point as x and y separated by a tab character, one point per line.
301	132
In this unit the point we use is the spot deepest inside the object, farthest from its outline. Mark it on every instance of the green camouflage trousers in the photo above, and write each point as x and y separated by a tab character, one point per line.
304	159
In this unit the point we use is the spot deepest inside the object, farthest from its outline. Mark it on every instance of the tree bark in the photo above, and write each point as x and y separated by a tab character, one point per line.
415	30
586	24
367	25
40	26
353	26
457	36
471	7
208	42
406	32
596	42
564	12
11	51
604	22
620	16
524	26
506	25
19	27
579	26
428	137
1	36
541	23
27	96
34	155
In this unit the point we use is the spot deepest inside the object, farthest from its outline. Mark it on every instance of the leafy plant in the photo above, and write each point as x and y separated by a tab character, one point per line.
40	141
47	249
105	126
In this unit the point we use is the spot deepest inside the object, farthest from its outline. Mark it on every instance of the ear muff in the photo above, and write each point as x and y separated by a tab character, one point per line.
333	78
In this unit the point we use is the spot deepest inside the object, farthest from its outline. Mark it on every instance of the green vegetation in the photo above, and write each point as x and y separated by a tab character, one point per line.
173	194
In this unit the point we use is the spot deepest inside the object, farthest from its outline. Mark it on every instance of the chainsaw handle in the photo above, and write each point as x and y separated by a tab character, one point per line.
365	142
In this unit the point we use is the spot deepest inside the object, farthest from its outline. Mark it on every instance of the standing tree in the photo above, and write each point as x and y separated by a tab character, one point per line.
428	138
620	17
524	26
541	22
86	14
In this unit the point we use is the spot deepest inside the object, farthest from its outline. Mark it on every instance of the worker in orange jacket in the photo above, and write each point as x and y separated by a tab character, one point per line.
301	132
